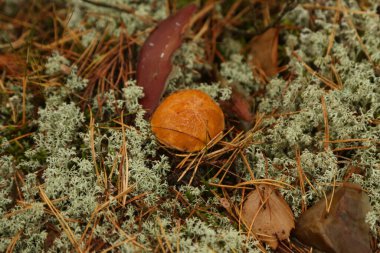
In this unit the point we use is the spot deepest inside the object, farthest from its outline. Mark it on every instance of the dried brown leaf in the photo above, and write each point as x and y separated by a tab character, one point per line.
267	214
264	53
238	105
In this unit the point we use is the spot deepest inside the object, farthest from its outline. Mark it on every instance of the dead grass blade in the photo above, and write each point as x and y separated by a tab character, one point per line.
323	79
124	165
13	242
92	143
301	176
234	147
116	245
99	208
326	121
66	228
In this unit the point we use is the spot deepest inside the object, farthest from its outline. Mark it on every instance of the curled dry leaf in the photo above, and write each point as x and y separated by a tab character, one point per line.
342	229
154	63
267	215
238	105
187	120
264	51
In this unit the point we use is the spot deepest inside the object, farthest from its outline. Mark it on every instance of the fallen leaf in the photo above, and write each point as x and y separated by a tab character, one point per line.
154	63
238	105
343	228
264	51
267	215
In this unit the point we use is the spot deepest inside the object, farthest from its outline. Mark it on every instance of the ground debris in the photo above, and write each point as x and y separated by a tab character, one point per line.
266	214
343	228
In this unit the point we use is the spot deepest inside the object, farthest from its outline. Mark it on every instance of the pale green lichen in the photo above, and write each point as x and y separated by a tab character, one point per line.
350	113
115	20
132	93
54	63
70	84
214	90
236	70
187	66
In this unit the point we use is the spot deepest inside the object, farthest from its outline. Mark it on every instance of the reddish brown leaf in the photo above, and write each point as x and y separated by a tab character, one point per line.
264	53
343	228
12	64
238	105
154	64
266	214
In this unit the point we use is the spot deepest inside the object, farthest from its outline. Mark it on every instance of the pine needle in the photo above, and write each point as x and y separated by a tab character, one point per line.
66	228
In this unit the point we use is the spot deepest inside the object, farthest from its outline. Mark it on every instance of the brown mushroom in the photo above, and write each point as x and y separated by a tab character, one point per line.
187	120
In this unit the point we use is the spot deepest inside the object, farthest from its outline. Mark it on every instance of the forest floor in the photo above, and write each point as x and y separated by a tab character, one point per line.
82	168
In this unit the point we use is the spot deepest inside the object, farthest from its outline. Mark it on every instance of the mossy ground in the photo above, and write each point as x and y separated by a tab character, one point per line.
81	171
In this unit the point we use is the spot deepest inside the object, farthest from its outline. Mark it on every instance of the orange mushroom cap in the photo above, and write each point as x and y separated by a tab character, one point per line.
187	120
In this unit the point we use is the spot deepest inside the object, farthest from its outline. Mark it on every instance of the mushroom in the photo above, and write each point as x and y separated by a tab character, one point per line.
187	120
